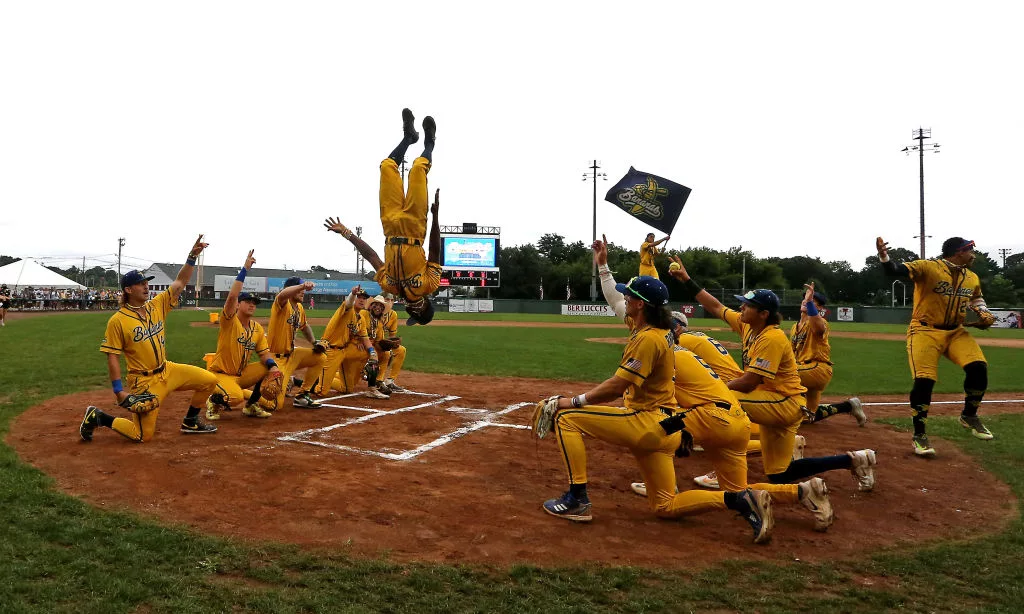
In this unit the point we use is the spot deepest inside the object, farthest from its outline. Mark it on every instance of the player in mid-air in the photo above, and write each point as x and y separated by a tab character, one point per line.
405	271
136	330
813	352
649	425
287	317
240	339
648	250
944	289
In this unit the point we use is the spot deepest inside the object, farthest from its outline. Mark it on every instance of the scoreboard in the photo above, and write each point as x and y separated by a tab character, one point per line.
480	279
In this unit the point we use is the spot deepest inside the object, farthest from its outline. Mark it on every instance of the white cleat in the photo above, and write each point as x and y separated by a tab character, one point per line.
708	480
814	496
863	468
799	443
858	412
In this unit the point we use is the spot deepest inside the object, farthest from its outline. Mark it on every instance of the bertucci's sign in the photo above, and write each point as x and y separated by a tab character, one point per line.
588	310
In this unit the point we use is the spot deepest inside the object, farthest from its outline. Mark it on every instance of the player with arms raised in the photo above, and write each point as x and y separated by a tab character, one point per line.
648	251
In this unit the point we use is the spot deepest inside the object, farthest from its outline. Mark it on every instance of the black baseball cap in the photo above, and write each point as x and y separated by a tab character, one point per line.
955	245
363	294
292	281
423	318
133	277
764	300
248	296
647	289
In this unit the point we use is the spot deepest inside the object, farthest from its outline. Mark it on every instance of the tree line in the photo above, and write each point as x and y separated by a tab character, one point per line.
556	266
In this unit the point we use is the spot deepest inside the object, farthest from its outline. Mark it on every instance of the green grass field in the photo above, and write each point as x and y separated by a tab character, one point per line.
59	555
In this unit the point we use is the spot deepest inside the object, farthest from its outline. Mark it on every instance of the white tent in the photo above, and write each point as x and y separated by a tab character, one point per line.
25	272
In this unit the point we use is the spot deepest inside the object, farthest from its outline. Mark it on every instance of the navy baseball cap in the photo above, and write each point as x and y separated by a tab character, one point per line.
764	300
292	281
647	289
248	296
133	277
820	299
955	245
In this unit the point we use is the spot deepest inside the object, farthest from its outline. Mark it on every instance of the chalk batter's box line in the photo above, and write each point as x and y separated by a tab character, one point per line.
946	402
407	454
372	410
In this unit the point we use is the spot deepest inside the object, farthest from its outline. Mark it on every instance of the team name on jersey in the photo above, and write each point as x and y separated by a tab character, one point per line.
247	343
293	319
416	281
946	289
142	333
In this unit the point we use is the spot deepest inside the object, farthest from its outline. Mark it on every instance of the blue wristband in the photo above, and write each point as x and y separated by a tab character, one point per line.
190	261
116	385
812	309
241	274
270	363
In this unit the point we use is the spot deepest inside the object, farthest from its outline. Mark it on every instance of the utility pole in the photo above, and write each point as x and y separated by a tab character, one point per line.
593	174
1004	252
120	244
360	262
920	135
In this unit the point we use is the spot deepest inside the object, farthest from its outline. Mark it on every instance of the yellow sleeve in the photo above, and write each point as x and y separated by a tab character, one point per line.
113	342
765	355
392	327
918	268
732	318
637	359
162	303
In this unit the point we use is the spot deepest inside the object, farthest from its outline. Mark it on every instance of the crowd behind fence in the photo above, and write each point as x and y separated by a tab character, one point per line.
58	299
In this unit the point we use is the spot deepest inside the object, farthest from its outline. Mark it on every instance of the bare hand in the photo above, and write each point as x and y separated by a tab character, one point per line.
882	247
198	247
437	199
809	292
356	290
308	285
600	251
249	260
334	225
681	273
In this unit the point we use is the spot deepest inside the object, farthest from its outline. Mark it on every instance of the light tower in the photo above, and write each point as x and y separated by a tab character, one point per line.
920	135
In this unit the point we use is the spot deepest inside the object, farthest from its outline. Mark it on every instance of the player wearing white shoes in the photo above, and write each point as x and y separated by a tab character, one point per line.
392	355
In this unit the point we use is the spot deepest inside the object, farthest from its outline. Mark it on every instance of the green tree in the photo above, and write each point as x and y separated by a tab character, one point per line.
999	292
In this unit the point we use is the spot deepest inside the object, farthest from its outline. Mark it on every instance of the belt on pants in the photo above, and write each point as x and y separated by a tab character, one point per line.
404	241
159	369
938	327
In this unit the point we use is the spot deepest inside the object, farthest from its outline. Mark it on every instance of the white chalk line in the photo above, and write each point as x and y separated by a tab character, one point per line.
945	402
303	437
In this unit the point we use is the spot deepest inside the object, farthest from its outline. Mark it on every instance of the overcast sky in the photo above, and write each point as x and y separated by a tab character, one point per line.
253	121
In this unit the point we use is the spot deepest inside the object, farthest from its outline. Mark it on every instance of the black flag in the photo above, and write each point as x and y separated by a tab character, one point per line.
653	200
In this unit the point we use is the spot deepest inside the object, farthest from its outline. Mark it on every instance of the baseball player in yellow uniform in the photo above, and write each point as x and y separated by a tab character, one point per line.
359	356
382	338
287	316
335	337
648	425
240	338
405	271
394	356
813	352
648	250
136	331
944	289
770	392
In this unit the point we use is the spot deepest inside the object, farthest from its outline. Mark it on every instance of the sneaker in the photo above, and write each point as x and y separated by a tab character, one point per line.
375	393
570	508
89	423
194	426
383	389
814	496
292	383
393	386
863	468
305	401
858	411
212	410
756	508
253	410
708	480
697	448
429	130
921	447
640	488
799	443
409	128
977	428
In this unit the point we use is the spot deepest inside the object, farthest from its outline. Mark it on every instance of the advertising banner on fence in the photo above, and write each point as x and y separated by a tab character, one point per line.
337	287
588	310
222	283
1007	319
844	314
470	305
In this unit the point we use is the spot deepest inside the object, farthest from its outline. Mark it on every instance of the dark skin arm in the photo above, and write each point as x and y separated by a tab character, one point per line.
363	247
435	231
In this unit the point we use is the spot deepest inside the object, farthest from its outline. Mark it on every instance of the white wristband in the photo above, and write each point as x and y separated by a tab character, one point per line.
579	400
884	259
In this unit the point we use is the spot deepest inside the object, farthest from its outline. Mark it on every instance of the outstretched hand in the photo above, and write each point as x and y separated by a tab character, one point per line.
600	251
882	247
198	247
334	225
437	199
249	260
679	273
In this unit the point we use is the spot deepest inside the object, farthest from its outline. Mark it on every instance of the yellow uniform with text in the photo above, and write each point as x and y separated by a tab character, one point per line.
391	362
236	345
138	335
942	292
777	404
813	359
354	355
285	320
712	352
339	329
406	271
647	253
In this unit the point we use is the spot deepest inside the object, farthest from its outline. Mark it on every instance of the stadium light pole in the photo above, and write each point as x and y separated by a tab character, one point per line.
593	174
120	244
920	135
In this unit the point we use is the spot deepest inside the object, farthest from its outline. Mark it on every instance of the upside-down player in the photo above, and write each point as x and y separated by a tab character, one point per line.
136	330
770	392
813	352
405	271
287	317
240	338
648	250
944	289
648	425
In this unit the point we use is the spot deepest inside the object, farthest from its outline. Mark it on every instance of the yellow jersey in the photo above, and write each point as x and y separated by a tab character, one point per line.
712	352
647	254
648	364
374	326
339	328
407	273
236	344
697	383
284	321
767	354
357	328
139	333
808	346
390	324
942	292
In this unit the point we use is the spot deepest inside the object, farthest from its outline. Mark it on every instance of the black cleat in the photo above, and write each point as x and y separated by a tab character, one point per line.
429	130
408	127
89	423
194	426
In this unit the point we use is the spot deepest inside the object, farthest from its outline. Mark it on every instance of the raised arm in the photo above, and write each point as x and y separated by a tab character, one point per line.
664	240
435	231
364	249
288	293
815	320
891	269
231	303
185	273
702	296
612	296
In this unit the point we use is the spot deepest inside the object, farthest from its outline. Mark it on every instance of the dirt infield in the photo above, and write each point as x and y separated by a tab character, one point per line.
422	478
